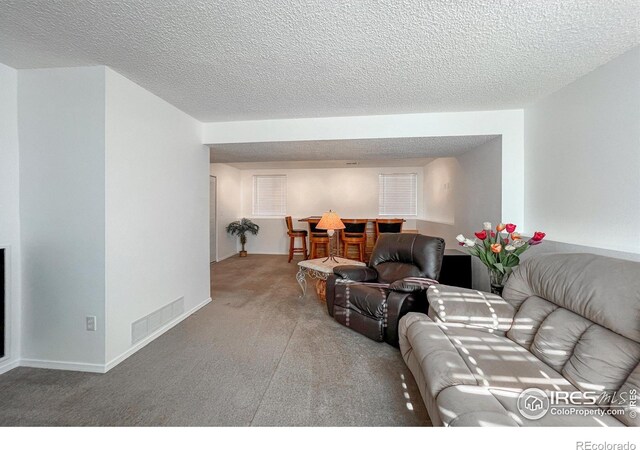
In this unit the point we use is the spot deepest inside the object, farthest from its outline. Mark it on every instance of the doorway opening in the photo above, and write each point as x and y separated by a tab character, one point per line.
213	241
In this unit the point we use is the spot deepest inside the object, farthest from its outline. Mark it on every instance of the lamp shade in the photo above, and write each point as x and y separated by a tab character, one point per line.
330	221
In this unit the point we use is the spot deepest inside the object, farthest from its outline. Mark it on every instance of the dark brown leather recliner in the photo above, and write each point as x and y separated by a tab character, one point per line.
372	299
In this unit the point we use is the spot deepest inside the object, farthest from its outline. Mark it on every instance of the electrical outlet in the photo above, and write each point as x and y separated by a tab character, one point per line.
91	323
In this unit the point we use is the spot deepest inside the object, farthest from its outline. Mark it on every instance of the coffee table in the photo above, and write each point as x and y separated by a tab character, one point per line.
320	270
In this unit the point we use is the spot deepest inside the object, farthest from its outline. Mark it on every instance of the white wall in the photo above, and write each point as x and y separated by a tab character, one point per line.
157	210
440	182
460	194
351	192
582	159
228	189
509	124
9	211
62	210
114	214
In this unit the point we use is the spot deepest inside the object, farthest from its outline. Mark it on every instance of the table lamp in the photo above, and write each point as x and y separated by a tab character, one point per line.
331	222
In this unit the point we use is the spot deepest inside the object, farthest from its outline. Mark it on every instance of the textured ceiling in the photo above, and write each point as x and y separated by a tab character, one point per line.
247	59
366	152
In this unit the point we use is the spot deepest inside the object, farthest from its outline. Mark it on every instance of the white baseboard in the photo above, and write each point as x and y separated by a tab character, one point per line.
6	366
280	253
62	365
222	258
118	359
99	368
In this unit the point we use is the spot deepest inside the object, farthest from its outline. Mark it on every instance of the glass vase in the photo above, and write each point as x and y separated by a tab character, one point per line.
497	280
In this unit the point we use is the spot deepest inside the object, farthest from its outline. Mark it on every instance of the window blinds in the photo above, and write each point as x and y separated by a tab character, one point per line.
269	195
398	194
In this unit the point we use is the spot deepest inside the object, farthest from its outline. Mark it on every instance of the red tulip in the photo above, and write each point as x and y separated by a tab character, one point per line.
493	234
482	235
538	236
510	228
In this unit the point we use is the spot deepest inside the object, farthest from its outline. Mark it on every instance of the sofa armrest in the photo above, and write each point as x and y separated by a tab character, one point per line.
470	307
412	284
356	273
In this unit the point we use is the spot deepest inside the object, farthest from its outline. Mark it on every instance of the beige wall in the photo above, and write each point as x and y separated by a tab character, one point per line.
228	188
10	212
460	194
351	192
157	230
582	159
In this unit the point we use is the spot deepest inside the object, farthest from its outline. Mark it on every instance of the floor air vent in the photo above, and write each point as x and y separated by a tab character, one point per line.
142	328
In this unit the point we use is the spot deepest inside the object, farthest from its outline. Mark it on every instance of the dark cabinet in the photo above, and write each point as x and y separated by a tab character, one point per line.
456	269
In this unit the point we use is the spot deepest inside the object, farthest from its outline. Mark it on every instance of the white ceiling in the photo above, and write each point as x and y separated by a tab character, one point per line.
246	59
397	152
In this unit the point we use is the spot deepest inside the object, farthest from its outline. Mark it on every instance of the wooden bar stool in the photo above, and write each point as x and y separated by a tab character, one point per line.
388	226
317	239
293	234
354	234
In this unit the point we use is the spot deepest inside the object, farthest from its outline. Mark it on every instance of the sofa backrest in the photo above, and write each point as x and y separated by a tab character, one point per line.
396	256
580	314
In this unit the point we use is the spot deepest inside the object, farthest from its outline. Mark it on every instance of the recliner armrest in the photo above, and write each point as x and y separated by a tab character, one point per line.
470	307
356	273
412	284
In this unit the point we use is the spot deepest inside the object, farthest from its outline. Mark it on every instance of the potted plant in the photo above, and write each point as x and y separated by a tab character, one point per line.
499	252
241	228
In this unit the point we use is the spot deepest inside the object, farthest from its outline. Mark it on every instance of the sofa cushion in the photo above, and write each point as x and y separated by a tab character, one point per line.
581	416
440	363
528	319
601	289
626	404
415	366
472	406
479	406
557	336
602	360
588	355
472	307
498	362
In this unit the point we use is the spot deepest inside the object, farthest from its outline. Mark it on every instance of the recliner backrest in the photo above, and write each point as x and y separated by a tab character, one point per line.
580	314
397	256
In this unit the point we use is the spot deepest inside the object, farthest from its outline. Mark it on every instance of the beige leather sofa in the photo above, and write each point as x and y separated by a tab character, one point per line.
568	324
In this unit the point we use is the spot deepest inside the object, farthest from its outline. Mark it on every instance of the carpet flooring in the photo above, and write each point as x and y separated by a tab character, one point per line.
257	355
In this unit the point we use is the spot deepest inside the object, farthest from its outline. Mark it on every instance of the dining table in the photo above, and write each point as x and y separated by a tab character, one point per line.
369	231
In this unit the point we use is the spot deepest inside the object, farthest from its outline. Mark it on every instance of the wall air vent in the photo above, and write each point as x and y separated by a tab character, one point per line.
146	326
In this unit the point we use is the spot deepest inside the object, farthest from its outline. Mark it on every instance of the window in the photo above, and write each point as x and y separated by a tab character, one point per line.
269	195
398	194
